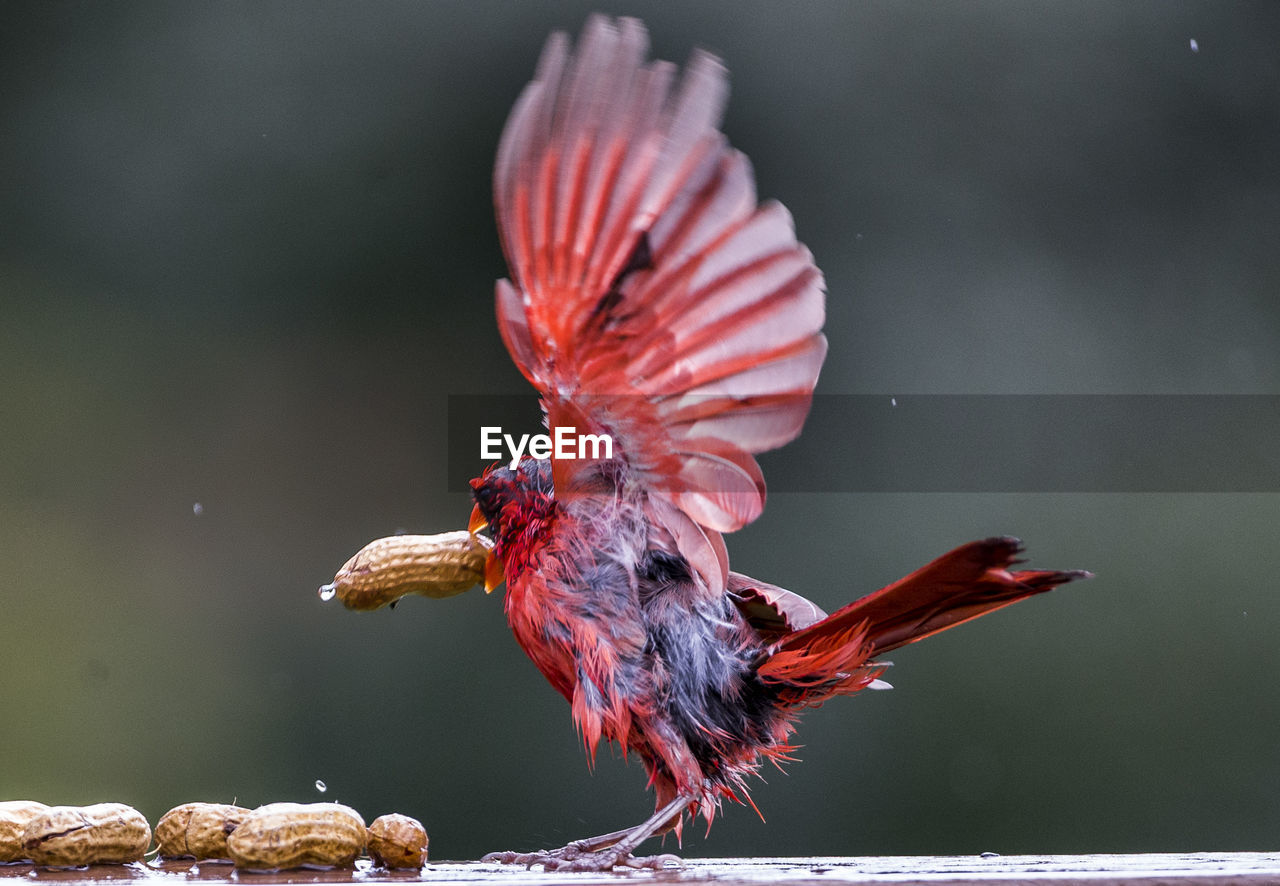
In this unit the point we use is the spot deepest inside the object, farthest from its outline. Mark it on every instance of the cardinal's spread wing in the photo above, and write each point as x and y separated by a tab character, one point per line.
651	298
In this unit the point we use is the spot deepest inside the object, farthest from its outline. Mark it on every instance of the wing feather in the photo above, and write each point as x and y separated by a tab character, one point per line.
651	298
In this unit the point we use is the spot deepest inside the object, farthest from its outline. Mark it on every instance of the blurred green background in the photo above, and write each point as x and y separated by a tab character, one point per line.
248	252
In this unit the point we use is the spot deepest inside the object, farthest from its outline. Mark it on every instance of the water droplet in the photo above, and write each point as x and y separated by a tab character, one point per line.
893	401
321	786
1195	47
197	509
327	592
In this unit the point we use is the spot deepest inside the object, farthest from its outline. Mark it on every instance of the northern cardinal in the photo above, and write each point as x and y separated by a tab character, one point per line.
653	300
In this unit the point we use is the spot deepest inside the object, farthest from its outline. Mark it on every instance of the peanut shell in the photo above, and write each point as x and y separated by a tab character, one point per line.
198	830
398	841
74	836
386	569
290	835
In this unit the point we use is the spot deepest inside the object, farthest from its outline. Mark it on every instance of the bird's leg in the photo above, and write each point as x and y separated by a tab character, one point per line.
607	851
620	852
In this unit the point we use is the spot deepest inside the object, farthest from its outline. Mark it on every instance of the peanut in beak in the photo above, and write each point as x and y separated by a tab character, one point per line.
388	568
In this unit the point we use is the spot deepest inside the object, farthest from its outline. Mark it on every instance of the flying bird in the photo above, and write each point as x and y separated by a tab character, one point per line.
655	301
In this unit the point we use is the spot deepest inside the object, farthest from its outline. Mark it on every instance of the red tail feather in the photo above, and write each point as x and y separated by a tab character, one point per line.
960	585
831	662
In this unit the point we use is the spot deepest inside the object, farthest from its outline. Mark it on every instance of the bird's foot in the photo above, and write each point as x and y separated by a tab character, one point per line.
578	859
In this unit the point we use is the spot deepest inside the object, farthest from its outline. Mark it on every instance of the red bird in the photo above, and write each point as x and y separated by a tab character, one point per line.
654	301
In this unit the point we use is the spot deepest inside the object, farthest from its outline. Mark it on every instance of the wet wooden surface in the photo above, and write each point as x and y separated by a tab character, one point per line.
1194	869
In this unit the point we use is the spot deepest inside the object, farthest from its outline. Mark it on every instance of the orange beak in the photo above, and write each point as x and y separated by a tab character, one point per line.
493	575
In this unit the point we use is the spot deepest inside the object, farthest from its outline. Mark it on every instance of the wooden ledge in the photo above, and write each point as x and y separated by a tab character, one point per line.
1157	869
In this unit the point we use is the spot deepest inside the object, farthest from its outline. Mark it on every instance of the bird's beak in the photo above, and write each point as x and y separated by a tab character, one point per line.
493	575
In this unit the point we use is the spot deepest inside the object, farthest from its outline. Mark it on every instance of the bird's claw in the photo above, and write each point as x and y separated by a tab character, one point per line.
575	859
661	862
550	860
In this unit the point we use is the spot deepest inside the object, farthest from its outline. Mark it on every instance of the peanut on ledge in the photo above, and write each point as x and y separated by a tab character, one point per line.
198	830
291	835
74	836
397	841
